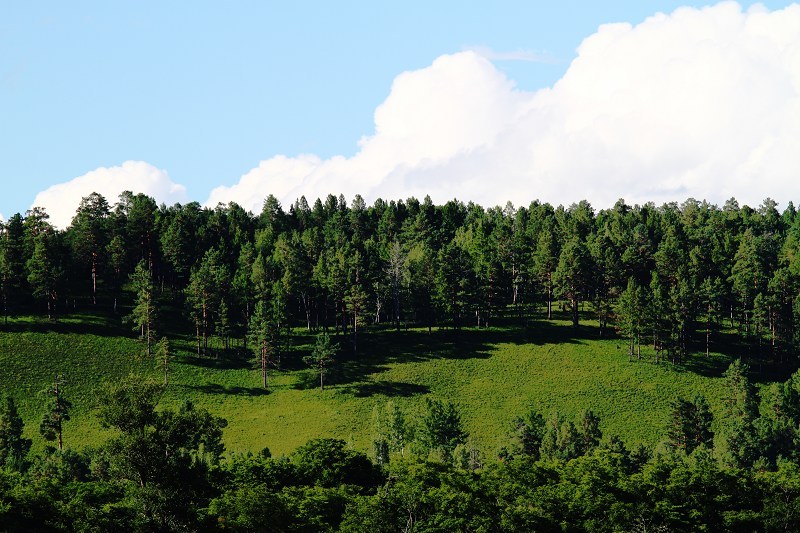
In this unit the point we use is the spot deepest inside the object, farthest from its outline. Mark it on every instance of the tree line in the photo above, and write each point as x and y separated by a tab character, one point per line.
166	470
672	277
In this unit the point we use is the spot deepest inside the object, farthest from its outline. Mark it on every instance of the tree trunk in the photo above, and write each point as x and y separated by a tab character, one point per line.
94	278
575	313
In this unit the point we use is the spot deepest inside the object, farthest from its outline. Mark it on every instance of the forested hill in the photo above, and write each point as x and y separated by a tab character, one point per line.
670	274
493	348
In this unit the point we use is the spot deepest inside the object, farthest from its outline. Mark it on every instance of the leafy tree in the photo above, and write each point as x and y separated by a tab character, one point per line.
526	436
392	431
43	271
631	316
262	336
322	357
440	428
57	413
206	284
91	234
164	357
690	424
711	292
740	411
12	264
326	463
454	282
397	272
589	429
13	446
572	274
144	312
561	439
162	458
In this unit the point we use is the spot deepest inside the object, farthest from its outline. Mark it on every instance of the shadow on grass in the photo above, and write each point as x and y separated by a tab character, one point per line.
387	388
764	366
215	388
75	323
379	347
228	361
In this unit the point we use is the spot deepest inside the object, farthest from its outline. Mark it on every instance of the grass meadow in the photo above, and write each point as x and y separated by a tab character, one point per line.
491	374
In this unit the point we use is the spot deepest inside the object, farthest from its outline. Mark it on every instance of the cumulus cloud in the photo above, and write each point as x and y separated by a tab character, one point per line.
699	102
63	199
512	55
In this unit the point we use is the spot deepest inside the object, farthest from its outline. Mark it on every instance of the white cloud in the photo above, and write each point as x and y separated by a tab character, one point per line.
62	200
512	55
699	102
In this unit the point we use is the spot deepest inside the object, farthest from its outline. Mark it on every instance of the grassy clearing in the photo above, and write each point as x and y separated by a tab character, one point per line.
492	374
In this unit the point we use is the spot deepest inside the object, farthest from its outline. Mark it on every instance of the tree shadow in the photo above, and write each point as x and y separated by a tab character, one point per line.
309	380
225	362
387	388
215	388
76	323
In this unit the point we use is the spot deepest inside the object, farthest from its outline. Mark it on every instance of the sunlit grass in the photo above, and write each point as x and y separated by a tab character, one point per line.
492	374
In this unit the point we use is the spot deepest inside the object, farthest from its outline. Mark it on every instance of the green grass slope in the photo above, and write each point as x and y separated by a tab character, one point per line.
492	374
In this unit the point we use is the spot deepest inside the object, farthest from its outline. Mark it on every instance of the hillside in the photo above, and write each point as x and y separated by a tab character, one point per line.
491	374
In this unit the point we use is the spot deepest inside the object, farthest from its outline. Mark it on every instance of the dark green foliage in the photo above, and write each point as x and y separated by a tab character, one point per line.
690	424
144	313
58	408
440	429
526	436
572	275
162	458
326	462
685	279
322	357
13	446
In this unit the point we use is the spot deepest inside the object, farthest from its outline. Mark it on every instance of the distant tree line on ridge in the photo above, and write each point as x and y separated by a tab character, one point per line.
671	277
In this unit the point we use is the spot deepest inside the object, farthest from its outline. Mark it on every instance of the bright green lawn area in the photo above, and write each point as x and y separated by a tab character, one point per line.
491	374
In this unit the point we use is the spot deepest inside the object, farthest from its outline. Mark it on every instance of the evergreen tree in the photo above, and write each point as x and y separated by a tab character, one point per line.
322	357
43	271
58	407
262	337
164	357
13	446
144	313
91	234
690	424
441	428
572	274
740	411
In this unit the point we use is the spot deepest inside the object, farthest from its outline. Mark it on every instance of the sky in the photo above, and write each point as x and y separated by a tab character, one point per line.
489	102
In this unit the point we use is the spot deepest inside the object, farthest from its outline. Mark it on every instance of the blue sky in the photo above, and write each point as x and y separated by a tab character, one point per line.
207	90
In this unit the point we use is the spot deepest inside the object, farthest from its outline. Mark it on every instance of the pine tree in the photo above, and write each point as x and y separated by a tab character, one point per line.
13	446
144	313
57	413
322	357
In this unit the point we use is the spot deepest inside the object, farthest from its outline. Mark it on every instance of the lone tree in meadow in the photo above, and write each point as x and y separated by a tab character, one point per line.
57	413
322	357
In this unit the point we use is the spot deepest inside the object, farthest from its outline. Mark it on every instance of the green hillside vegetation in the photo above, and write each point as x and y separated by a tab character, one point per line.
491	374
453	366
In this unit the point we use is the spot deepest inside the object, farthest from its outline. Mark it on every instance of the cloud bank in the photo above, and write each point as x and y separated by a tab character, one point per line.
63	199
699	102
